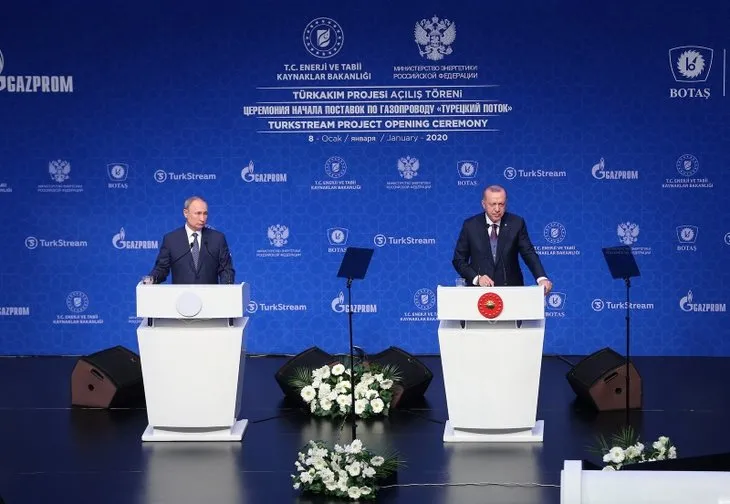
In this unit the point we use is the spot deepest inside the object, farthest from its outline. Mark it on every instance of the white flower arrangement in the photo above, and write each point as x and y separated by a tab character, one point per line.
627	449
349	471
327	390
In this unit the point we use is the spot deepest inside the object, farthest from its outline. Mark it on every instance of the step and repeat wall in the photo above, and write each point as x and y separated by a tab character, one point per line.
313	126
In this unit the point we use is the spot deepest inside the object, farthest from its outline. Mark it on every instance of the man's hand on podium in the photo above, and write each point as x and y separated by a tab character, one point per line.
148	280
547	285
485	281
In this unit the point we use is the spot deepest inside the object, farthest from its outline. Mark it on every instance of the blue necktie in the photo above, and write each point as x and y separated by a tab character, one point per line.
493	241
195	250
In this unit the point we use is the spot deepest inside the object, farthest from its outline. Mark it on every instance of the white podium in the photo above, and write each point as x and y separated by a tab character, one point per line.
491	342
192	351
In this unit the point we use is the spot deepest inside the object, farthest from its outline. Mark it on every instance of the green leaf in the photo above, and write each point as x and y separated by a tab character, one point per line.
301	377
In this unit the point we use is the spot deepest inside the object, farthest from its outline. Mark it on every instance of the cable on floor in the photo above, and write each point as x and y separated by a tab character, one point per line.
480	483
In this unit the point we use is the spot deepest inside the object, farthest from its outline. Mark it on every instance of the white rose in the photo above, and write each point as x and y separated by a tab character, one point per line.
353	492
331	486
306	477
607	458
609	468
365	490
313	406
386	384
377	405
672	453
325	372
344	400
324	390
354	469
360	406
338	369
308	393
325	404
342	484
371	394
379	377
663	440
639	447
297	485
377	461
316	383
355	446
617	455
368	472
632	452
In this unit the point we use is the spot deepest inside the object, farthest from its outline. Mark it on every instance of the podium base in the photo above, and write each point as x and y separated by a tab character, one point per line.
234	433
533	435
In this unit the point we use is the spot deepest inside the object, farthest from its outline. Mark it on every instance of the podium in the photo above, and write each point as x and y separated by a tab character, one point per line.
192	351
491	342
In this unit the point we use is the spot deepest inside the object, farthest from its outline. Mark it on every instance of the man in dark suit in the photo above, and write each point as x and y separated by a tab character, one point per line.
194	253
486	253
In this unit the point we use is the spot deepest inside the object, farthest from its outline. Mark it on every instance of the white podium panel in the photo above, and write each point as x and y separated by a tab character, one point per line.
578	486
175	301
192	358
492	366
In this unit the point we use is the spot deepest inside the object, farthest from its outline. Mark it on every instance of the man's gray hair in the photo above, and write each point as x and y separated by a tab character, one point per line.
494	189
189	201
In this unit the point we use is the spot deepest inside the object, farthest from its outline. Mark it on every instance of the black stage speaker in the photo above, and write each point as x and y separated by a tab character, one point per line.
415	376
311	358
111	378
600	381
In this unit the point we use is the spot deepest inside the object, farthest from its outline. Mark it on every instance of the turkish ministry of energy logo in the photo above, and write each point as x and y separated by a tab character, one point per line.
691	63
323	37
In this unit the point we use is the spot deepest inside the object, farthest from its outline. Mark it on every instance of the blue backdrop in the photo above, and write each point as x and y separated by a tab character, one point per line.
313	126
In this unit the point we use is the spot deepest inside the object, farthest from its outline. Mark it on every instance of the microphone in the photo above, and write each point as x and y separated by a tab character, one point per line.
183	255
504	271
205	244
504	268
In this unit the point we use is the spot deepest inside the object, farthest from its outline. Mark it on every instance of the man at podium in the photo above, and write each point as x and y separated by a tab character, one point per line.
486	252
195	254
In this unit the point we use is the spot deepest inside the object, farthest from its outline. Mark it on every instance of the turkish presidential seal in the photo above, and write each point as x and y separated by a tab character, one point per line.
490	305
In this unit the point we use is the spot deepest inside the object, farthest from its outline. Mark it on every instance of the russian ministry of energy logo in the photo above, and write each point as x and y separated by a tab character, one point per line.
323	37
434	37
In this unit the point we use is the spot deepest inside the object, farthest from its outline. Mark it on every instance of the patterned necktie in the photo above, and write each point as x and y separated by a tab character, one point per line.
493	241
195	250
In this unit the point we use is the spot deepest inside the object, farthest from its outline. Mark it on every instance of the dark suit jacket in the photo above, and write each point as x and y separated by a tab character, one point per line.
473	254
215	259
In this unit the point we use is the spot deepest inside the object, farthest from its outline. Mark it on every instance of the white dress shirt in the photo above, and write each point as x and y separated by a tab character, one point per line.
190	236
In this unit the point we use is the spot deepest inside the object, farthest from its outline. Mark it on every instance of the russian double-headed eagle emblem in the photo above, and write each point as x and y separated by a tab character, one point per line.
434	37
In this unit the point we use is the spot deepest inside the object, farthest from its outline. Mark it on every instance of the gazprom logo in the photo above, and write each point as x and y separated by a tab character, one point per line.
35	83
339	305
599	172
687	303
120	242
249	175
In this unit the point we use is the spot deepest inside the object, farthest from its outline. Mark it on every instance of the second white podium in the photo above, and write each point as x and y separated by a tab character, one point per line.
192	351
491	342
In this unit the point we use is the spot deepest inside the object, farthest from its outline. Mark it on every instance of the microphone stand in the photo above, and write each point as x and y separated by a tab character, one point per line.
352	360
628	324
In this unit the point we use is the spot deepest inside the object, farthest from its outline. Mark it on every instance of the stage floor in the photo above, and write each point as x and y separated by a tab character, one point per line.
50	452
